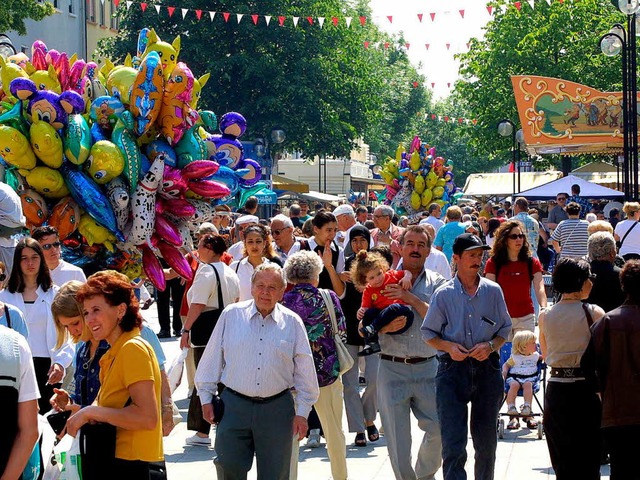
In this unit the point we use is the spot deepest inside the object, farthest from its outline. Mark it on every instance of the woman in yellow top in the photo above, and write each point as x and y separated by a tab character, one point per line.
129	396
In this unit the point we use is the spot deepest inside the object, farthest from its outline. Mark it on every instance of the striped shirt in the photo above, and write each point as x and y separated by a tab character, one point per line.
572	236
259	356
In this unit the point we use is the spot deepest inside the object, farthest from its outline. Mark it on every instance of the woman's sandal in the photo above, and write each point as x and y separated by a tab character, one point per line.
373	433
514	424
531	423
360	440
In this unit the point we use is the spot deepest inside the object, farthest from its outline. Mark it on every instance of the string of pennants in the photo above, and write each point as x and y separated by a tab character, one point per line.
386	45
451	119
311	20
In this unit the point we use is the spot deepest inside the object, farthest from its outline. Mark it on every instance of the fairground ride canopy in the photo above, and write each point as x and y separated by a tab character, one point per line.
559	116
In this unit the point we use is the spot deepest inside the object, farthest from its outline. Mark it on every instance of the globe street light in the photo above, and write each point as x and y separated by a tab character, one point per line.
6	47
506	128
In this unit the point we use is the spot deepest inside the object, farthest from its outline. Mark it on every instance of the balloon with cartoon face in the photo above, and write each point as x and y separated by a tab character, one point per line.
168	53
105	162
65	217
46	144
105	111
34	207
120	82
228	152
15	148
46	181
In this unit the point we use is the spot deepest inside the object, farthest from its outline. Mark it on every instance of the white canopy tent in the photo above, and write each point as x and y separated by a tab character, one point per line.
563	185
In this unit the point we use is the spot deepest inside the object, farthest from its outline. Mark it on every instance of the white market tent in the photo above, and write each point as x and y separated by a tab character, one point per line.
587	189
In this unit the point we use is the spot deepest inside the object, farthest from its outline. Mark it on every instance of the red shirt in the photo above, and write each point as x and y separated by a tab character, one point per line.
372	298
516	284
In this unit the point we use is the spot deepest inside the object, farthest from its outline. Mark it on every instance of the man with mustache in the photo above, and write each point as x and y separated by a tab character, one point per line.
406	376
467	323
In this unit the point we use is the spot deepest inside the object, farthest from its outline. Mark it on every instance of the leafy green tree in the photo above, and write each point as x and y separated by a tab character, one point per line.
13	13
319	84
559	40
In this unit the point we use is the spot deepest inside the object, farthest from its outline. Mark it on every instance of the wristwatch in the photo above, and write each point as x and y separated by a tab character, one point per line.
490	342
184	330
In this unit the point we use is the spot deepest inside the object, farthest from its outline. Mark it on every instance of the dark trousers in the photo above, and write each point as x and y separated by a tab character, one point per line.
195	421
623	451
572	425
173	293
457	385
378	318
248	428
41	366
313	422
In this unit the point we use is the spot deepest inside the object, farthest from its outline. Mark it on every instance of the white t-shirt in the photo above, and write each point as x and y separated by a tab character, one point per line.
204	289
631	244
431	220
437	262
66	272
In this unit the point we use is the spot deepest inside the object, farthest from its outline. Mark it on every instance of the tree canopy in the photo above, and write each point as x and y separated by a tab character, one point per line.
558	40
13	13
321	85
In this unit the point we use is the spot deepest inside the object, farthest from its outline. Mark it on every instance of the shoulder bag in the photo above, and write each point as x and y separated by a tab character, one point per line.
619	244
344	357
202	328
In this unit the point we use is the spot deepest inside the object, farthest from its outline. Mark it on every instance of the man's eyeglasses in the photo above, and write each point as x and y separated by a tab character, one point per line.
561	199
379	216
49	246
515	236
278	232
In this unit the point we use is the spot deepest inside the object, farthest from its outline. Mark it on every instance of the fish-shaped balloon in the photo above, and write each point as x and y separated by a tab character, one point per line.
96	233
199	169
209	188
126	142
143	204
46	144
177	207
9	71
65	217
15	148
34	207
191	147
146	93
167	231
120	81
152	267
105	162
77	139
174	258
160	146
46	181
90	198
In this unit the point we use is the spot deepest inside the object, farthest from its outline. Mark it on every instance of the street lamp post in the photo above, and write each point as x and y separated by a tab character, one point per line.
262	149
506	128
6	47
621	40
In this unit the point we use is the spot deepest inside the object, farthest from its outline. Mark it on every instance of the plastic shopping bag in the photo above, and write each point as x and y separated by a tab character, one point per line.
67	454
175	370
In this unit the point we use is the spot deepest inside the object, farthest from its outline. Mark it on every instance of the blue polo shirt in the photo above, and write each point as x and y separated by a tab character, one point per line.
446	235
456	316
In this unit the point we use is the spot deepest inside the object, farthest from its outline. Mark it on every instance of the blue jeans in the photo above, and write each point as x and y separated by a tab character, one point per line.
457	384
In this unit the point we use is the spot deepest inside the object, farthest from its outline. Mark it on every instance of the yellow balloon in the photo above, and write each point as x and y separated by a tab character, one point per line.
105	162
46	181
96	233
46	143
415	200
399	151
431	179
441	182
120	81
426	197
420	184
15	148
414	162
438	192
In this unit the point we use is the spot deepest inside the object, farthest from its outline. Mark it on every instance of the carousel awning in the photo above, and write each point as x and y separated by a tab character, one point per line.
285	184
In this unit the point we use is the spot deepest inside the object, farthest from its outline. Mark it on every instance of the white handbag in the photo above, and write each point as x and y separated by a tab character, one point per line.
344	357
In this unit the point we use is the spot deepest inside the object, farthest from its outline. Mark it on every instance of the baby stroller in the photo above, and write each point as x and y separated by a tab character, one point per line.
505	353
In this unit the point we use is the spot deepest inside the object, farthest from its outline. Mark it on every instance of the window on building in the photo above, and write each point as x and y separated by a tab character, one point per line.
102	14
115	22
90	10
72	7
55	3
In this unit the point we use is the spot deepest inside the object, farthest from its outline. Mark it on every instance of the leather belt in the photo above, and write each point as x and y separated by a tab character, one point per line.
258	399
567	372
409	360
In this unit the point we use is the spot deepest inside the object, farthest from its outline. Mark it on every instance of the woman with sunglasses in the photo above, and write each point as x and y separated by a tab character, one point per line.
31	290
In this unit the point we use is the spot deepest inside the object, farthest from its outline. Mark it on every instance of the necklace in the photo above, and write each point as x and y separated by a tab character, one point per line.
87	363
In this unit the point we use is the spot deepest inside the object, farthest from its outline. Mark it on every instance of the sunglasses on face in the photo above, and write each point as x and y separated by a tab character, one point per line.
561	199
278	232
49	246
515	236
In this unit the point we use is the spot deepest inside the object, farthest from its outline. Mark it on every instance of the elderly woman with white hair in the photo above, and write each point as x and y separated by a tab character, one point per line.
303	269
606	291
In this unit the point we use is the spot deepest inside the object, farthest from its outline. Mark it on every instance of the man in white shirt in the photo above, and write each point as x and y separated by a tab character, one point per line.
241	224
435	211
285	242
259	350
61	271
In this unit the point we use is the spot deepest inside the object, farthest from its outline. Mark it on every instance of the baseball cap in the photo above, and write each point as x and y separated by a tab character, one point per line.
343	209
468	241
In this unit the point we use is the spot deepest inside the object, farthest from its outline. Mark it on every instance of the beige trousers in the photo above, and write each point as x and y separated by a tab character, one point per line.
528	322
329	408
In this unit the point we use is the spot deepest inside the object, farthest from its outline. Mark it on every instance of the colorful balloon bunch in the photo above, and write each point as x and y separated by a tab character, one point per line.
417	178
118	156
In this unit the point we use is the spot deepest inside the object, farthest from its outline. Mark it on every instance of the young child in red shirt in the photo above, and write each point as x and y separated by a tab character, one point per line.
371	272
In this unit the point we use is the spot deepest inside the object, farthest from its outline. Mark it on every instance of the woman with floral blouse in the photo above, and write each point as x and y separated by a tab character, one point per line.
303	271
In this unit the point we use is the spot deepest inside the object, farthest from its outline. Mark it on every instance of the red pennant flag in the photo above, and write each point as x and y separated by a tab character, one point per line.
474	121
461	13
420	17
254	18
116	3
490	9
518	5
561	1
226	16
407	45
433	16
446	118
366	44
171	10
433	115
448	84
427	46
468	45
363	20
448	46
310	20
433	85
512	167
415	84
390	17
386	45
460	120
199	14
334	20
281	20
143	6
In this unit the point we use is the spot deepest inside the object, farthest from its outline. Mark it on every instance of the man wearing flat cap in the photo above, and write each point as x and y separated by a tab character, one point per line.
467	322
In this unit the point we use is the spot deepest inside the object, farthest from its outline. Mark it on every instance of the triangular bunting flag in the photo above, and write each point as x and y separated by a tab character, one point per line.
448	85
129	3
460	120
439	118
348	20
468	45
390	18
267	18
474	121
143	6
157	7
281	20
386	45
531	3
549	2
427	45
116	3
171	10
433	115
239	16
363	20
415	84
199	14
226	16
254	19
503	8
310	20
461	13
518	5
420	17
490	9
184	12
334	20
366	44
512	167
321	21
446	118
448	46
212	15
433	17
407	45
295	21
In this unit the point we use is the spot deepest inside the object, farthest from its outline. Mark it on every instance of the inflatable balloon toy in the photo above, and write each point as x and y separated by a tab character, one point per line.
15	148
46	79
168	53
226	149
120	82
116	191
176	114
9	72
94	233
46	181
46	144
198	85
161	147
143	203
77	140
65	217
147	93
34	208
126	142
105	162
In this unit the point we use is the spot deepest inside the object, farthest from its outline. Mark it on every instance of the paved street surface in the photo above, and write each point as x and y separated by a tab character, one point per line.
520	454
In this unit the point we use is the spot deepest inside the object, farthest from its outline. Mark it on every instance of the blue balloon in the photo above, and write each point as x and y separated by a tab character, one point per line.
162	147
145	165
229	177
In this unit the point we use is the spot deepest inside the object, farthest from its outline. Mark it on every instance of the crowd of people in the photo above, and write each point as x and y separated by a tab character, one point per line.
278	305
